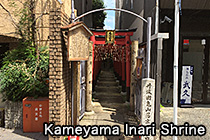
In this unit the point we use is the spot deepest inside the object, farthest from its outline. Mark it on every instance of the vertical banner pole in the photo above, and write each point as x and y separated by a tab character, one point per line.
176	54
149	23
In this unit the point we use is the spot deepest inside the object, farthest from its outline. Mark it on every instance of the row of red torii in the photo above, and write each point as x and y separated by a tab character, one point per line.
120	51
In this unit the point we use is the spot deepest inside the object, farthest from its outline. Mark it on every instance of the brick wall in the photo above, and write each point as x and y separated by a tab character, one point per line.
59	70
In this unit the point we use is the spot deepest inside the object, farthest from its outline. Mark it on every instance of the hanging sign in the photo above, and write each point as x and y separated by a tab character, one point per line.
110	36
186	85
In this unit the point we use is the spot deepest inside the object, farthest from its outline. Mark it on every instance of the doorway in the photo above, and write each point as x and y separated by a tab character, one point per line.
195	52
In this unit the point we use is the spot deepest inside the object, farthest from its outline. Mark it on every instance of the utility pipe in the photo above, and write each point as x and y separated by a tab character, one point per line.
176	56
149	23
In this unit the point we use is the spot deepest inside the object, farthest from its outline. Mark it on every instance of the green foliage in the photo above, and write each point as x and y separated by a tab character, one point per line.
25	27
24	76
98	17
25	68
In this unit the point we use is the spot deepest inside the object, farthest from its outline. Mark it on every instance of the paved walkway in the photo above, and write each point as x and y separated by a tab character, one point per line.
109	107
194	116
10	134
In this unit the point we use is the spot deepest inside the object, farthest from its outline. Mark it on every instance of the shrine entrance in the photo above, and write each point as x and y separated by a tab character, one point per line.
113	61
111	50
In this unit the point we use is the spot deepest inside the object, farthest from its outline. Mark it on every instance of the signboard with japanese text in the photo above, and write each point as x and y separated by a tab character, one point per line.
186	85
110	36
148	104
78	41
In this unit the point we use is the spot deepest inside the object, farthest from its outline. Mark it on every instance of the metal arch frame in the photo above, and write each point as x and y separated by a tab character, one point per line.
109	9
148	21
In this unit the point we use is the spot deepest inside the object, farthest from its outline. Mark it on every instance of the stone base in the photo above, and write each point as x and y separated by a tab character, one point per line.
89	113
13	115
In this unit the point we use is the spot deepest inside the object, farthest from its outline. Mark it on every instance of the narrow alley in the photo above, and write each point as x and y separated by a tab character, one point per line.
109	106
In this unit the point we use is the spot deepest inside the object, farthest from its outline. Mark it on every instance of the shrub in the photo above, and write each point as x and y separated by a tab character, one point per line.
23	74
25	68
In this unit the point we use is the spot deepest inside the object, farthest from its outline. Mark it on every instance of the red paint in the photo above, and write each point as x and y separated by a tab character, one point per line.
186	42
123	64
73	137
99	42
119	65
116	33
120	60
128	67
35	113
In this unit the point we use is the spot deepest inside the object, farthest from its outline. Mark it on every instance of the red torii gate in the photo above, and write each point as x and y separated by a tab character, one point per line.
122	43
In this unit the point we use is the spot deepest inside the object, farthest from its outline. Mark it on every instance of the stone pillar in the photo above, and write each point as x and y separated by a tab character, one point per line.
134	54
92	38
59	70
123	70
88	98
148	104
55	67
13	115
55	70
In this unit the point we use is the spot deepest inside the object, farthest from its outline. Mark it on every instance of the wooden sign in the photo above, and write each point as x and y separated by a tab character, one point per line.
148	104
78	41
110	36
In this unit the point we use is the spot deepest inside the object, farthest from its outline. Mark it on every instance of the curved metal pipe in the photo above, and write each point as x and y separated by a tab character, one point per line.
107	9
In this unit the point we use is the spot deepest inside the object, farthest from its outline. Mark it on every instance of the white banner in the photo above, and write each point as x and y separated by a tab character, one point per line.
186	85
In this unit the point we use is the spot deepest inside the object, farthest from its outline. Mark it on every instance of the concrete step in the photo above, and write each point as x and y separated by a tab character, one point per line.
107	78
109	99
107	83
105	94
106	75
110	89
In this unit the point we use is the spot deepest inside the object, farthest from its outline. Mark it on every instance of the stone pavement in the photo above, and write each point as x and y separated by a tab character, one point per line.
118	113
109	107
17	134
198	115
